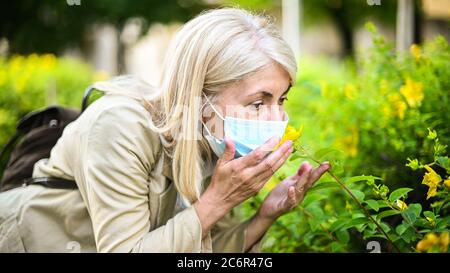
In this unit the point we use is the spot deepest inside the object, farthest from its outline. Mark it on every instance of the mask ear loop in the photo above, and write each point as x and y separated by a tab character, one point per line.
215	110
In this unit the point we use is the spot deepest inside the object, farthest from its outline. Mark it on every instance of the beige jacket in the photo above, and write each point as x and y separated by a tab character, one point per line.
125	202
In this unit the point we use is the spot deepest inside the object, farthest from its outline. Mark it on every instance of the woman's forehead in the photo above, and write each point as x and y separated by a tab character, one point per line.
272	81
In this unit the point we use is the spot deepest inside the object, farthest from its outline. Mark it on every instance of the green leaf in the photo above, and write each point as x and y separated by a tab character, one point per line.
431	134
312	198
444	161
373	204
355	222
368	233
429	215
382	204
413	164
343	236
358	215
321	153
314	224
412	212
442	224
338	224
385	227
398	193
323	185
360	178
297	156
358	194
387	213
315	211
336	247
400	229
409	235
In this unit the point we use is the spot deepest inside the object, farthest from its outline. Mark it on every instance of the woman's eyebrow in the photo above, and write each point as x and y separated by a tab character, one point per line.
269	94
264	93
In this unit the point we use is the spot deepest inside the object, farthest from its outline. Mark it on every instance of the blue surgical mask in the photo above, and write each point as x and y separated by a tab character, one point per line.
247	134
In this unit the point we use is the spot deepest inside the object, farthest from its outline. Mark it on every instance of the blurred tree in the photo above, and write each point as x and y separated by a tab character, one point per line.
345	14
53	25
348	15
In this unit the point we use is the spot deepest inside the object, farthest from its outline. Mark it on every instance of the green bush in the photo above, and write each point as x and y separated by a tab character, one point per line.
31	82
375	120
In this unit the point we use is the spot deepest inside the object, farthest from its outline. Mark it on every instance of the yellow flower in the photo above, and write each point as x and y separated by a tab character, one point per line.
445	239
431	177
413	92
431	243
48	61
324	90
447	183
16	64
401	205
350	91
432	180
384	87
348	206
386	110
20	83
415	51
3	77
422	246
328	207
290	134
432	238
349	143
398	104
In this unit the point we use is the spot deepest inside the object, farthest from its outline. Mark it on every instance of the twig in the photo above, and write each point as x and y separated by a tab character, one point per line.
380	229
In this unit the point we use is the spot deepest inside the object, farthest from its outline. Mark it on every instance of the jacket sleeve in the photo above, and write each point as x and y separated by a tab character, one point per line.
228	235
114	172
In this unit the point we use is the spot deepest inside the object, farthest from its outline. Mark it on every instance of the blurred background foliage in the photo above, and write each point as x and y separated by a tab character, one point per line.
367	118
28	83
30	25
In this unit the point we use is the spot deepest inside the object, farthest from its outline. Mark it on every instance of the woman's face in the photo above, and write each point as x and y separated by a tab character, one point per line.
260	95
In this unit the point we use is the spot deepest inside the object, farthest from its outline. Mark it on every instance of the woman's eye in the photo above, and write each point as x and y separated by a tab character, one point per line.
257	105
283	100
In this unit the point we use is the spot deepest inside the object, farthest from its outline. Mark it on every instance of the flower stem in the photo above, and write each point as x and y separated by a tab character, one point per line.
380	229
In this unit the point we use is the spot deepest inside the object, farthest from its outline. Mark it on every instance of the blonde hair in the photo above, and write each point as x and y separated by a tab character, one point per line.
216	48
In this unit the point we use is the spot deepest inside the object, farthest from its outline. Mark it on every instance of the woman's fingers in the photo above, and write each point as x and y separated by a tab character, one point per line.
292	197
318	172
307	176
257	155
229	151
283	159
274	161
264	170
303	174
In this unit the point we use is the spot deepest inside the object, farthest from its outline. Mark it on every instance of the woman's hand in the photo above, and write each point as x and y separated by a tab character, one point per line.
291	191
235	180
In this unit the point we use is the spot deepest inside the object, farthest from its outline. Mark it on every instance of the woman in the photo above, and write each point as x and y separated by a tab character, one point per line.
160	170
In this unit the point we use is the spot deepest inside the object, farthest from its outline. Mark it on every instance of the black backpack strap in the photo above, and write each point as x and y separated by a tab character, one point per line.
52	182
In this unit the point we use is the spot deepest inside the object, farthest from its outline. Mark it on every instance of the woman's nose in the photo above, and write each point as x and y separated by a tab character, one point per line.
274	113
